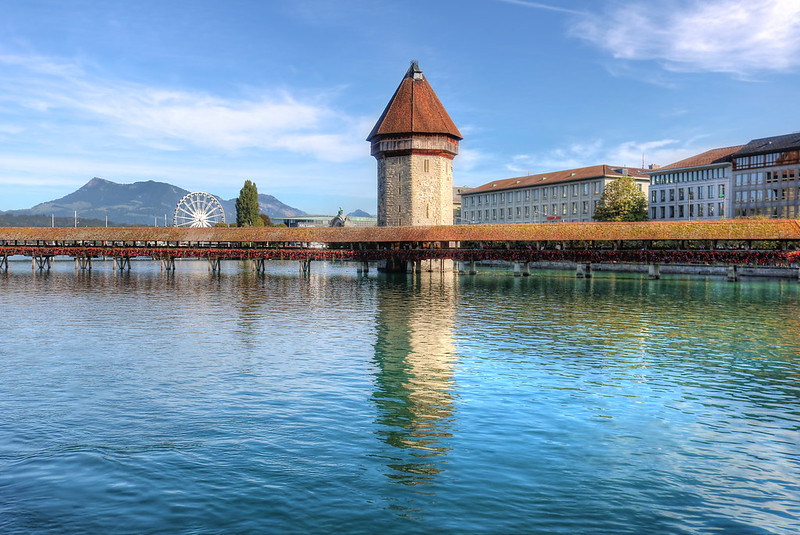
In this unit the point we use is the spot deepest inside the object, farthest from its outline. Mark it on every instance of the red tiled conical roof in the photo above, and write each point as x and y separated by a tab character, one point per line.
414	109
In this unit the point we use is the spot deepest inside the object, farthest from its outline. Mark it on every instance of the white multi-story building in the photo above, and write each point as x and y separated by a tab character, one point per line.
698	187
561	196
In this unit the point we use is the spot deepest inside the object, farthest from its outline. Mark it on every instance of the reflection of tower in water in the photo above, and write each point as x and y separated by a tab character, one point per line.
415	355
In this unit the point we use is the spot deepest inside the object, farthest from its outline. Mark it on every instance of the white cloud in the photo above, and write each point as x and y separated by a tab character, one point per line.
594	152
742	37
172	119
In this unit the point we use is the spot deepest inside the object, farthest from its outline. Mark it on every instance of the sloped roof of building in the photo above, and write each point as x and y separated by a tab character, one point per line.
414	109
766	145
708	157
567	175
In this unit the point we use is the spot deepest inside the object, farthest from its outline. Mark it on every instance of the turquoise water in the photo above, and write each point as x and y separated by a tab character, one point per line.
145	402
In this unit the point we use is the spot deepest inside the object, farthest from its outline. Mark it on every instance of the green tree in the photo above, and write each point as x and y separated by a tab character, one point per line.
622	200
247	206
267	222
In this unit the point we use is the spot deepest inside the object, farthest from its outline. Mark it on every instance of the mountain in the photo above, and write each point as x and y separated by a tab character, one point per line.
359	213
140	203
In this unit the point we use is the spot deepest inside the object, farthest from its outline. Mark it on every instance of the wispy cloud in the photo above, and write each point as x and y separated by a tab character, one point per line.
741	37
539	5
172	119
597	151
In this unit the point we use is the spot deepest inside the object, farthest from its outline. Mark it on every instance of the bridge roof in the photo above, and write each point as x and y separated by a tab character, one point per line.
768	229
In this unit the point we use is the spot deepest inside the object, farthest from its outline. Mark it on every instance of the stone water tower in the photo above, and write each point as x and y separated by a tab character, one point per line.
415	142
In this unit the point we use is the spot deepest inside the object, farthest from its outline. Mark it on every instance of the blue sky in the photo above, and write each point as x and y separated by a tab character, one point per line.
205	94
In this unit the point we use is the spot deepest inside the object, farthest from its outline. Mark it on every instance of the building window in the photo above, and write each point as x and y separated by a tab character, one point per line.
672	212
653	212
574	208
680	210
574	190
426	166
564	192
563	208
653	196
586	188
585	207
663	195
672	195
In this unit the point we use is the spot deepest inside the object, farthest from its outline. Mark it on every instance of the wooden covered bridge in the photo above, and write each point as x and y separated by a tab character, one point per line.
731	243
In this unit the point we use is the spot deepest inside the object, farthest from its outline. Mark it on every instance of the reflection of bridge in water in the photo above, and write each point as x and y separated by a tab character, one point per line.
731	243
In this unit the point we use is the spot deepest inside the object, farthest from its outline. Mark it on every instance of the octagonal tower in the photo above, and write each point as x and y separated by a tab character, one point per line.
415	142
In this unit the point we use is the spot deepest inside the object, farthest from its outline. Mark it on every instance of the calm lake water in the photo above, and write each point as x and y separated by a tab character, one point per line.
144	402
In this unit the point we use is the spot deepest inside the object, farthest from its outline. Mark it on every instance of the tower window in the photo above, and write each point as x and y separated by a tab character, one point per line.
426	166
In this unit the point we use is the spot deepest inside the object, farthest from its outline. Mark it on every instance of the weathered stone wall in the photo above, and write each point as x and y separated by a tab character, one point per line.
415	189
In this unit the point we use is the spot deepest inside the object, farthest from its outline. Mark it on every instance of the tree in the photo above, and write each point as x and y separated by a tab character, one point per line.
622	200
267	222
247	206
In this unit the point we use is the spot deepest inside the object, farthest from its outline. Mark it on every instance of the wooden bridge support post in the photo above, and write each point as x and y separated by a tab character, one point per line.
213	264
583	270
472	269
259	265
365	267
305	266
654	272
123	262
733	273
526	269
42	262
83	262
4	262
167	264
517	270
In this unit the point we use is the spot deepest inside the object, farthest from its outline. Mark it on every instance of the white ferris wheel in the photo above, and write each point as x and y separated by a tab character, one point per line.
198	210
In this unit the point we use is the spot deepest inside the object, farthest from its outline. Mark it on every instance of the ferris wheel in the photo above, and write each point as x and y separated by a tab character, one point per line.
198	210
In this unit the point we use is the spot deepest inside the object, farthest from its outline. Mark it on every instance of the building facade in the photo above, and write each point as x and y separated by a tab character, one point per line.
766	175
696	188
414	143
316	221
562	196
